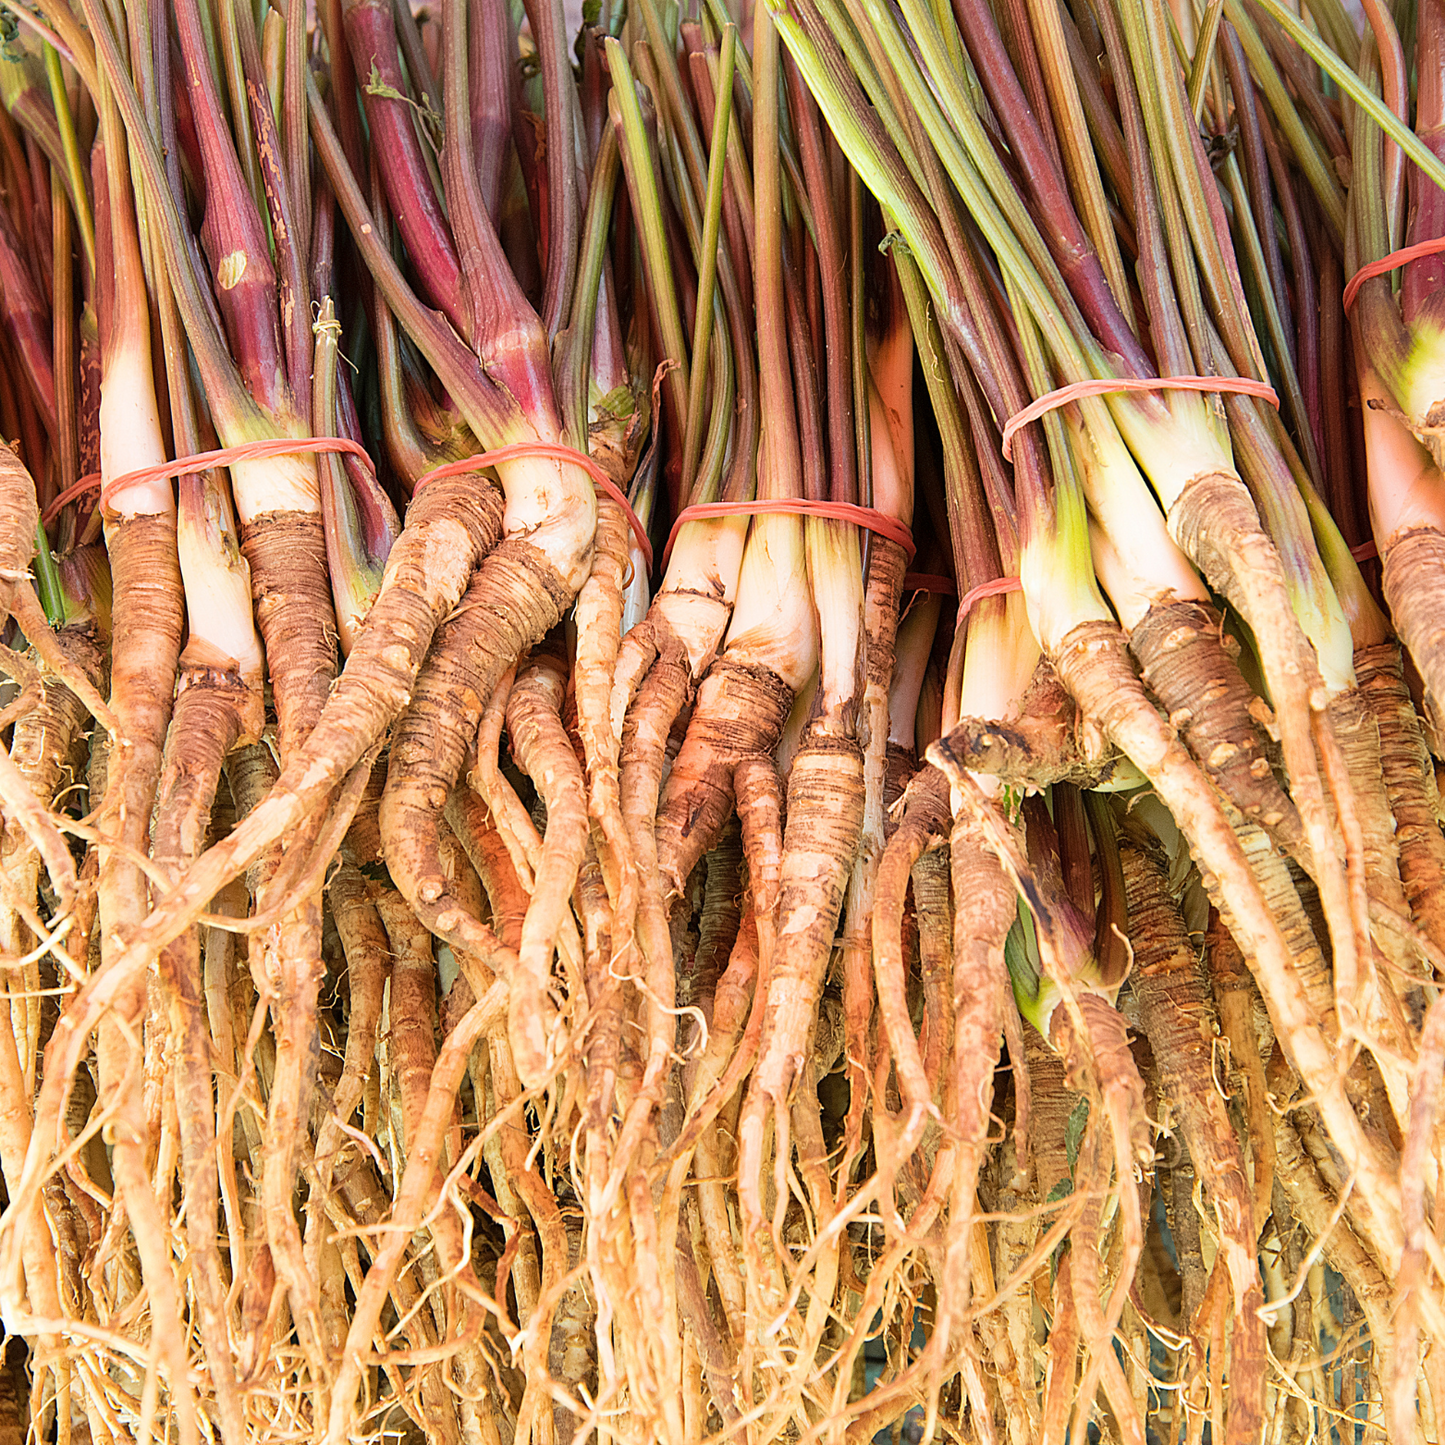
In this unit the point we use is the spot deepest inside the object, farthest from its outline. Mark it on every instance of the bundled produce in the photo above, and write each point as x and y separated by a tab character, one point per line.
722	725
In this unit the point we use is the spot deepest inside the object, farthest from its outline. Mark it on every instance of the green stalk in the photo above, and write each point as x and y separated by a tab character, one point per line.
858	311
47	579
1349	82
70	146
707	273
651	231
573	373
1203	57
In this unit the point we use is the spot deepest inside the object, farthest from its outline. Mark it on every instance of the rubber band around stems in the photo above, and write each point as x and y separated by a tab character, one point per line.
1099	386
1389	263
869	518
204	461
558	452
1365	551
998	587
90	482
927	582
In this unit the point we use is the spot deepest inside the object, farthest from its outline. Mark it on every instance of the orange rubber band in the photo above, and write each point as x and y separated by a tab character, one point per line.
90	482
1365	551
227	456
869	518
999	587
928	582
1077	390
603	482
1389	263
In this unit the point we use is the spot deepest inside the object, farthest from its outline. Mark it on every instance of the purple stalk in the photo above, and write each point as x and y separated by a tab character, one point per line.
371	35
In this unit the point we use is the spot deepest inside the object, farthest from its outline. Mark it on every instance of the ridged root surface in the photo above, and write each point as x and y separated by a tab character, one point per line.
1186	664
1409	778
1413	575
740	710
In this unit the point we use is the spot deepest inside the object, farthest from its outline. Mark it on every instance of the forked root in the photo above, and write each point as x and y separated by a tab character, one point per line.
1188	665
1092	662
739	711
1178	1016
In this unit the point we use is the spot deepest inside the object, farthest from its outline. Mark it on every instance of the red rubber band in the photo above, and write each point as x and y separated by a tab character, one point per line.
999	587
227	456
928	582
1365	551
1077	390
869	518
90	482
1389	263
556	450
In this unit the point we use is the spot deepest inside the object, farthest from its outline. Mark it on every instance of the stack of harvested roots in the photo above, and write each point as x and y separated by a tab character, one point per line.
961	956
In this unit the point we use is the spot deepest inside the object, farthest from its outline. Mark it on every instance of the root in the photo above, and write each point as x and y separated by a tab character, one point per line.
453	523
925	816
543	750
41	747
740	711
599	628
513	601
212	713
367	951
825	812
1216	523
1189	666
1414	1278
1178	1016
985	910
1409	776
1044	745
413	1198
1092	663
1413	577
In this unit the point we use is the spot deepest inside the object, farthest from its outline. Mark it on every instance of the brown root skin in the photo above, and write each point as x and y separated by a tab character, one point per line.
56	657
1094	666
925	816
599	628
902	765
452	524
1215	521
1044	745
414	1196
42	748
21	514
1188	664
147	621
1178	1016
985	910
367	950
740	710
295	615
1415	1172
825	812
684	623
543	750
211	713
25	812
1316	1209
1413	577
1410	788
1237	999
514	599
1384	1021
